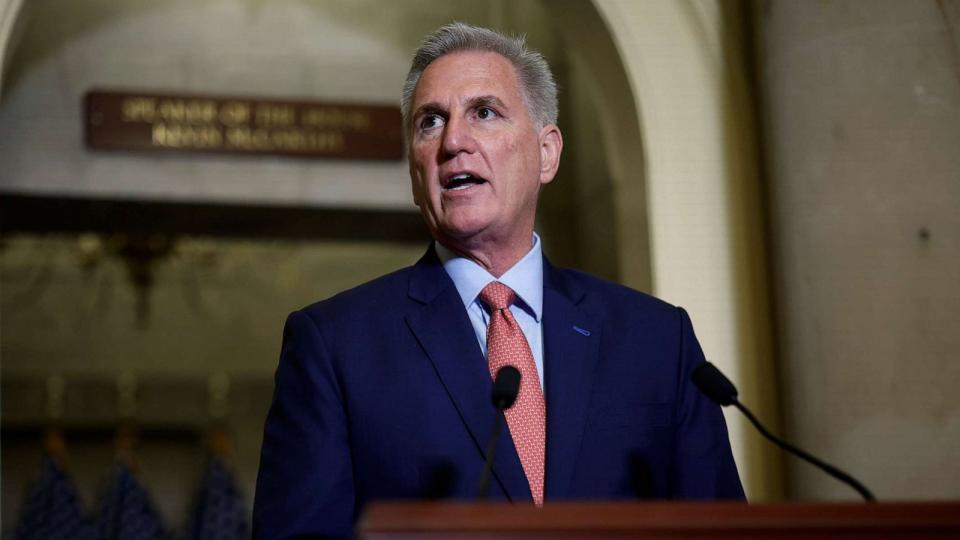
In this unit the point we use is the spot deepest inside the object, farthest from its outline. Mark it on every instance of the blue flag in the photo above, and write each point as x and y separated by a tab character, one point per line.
219	512
126	512
52	509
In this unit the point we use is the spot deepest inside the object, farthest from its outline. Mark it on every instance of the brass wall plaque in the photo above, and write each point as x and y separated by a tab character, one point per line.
195	123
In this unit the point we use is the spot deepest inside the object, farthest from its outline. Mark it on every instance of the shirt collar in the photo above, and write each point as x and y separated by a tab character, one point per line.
525	277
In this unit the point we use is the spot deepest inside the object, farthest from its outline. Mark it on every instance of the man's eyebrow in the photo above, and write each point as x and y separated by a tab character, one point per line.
431	107
487	100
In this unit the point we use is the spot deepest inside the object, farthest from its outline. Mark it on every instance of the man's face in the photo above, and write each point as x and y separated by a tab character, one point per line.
477	160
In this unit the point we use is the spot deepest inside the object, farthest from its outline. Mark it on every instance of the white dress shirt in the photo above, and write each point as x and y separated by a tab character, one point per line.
525	278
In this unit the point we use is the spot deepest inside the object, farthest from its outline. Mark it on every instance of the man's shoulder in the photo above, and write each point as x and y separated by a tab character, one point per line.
626	310
379	295
611	294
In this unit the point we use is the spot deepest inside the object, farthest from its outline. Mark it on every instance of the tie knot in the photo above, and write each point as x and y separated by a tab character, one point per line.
497	296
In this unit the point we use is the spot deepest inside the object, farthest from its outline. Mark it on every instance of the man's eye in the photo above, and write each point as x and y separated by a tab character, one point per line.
486	113
430	121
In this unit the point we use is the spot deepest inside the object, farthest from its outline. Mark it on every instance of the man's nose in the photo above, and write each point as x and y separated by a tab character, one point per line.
458	137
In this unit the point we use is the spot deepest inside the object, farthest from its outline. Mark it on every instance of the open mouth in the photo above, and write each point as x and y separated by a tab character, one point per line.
463	181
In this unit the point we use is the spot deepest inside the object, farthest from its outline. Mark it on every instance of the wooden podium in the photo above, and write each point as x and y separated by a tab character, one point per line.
660	520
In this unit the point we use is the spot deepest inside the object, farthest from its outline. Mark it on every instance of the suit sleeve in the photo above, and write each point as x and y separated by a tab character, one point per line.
703	466
305	482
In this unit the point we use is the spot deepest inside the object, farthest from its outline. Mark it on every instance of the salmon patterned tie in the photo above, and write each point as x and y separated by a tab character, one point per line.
506	345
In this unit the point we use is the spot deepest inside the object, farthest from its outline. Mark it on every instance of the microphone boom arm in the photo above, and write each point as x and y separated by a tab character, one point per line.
483	488
822	465
718	389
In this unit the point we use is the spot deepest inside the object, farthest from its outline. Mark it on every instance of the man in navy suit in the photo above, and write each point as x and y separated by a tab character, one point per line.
383	391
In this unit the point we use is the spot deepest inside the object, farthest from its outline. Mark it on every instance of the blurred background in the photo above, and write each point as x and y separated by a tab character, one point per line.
786	170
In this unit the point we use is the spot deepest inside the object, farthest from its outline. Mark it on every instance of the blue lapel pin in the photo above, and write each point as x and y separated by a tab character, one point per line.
583	331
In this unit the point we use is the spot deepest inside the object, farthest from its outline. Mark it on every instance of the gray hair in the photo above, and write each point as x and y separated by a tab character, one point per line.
537	86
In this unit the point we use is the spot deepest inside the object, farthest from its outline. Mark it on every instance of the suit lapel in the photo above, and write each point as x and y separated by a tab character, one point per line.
443	329
571	352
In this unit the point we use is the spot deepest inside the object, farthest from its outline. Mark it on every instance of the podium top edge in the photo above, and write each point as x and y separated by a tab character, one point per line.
659	516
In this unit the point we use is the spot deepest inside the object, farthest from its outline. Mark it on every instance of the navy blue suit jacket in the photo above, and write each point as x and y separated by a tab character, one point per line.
382	392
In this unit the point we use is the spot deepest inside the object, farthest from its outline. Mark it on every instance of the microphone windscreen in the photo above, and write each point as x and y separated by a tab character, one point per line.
506	386
714	384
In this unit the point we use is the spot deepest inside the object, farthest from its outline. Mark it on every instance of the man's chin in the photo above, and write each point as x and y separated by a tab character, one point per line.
465	223
463	233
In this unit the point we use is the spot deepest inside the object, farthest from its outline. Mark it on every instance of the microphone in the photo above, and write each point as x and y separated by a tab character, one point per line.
721	391
506	386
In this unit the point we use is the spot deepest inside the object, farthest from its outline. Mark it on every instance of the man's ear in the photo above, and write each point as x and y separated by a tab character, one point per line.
551	145
413	179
